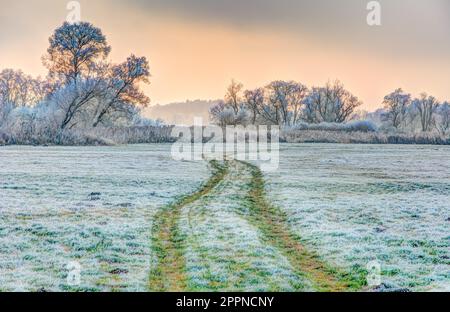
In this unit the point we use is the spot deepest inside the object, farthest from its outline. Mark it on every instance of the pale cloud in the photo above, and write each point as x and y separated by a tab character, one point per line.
195	47
406	23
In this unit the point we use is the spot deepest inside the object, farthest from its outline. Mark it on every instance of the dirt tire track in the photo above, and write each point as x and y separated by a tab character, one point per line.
272	222
224	252
168	242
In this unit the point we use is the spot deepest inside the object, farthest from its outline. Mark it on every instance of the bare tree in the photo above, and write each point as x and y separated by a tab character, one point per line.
286	99
75	60
396	105
233	96
426	107
296	100
18	89
254	102
443	122
332	103
216	113
123	93
342	102
75	50
312	103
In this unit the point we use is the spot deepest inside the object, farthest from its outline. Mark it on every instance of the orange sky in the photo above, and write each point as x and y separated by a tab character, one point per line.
194	52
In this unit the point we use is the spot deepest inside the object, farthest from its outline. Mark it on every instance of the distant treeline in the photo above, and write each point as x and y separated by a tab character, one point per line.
85	99
291	104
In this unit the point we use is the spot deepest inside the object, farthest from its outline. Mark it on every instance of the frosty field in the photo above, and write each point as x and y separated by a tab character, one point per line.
93	205
136	220
358	203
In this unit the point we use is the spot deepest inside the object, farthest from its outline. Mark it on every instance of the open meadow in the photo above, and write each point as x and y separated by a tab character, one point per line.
129	218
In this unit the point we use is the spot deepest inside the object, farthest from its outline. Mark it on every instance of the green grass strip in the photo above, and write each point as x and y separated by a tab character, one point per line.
272	223
168	244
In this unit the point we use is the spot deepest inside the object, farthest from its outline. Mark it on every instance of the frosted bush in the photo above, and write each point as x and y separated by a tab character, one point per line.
352	126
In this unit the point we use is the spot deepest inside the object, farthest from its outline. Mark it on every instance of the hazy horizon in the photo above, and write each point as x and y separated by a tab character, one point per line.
196	47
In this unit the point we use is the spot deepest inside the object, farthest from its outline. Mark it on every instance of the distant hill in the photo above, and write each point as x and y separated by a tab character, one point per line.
181	113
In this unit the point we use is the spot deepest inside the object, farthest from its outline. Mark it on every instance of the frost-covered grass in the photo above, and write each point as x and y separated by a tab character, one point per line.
225	251
352	126
356	203
168	243
349	204
93	205
320	134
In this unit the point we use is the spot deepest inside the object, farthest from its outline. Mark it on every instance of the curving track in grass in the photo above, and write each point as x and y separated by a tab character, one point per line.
228	237
169	274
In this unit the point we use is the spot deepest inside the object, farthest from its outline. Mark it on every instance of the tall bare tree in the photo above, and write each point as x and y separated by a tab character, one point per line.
296	100
254	101
396	105
443	122
426	107
286	99
332	103
233	97
75	50
75	60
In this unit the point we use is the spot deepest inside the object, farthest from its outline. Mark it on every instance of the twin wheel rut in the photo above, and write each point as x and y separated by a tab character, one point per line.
228	237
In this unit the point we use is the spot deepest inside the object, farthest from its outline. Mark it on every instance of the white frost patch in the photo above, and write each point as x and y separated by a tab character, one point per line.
357	203
92	205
